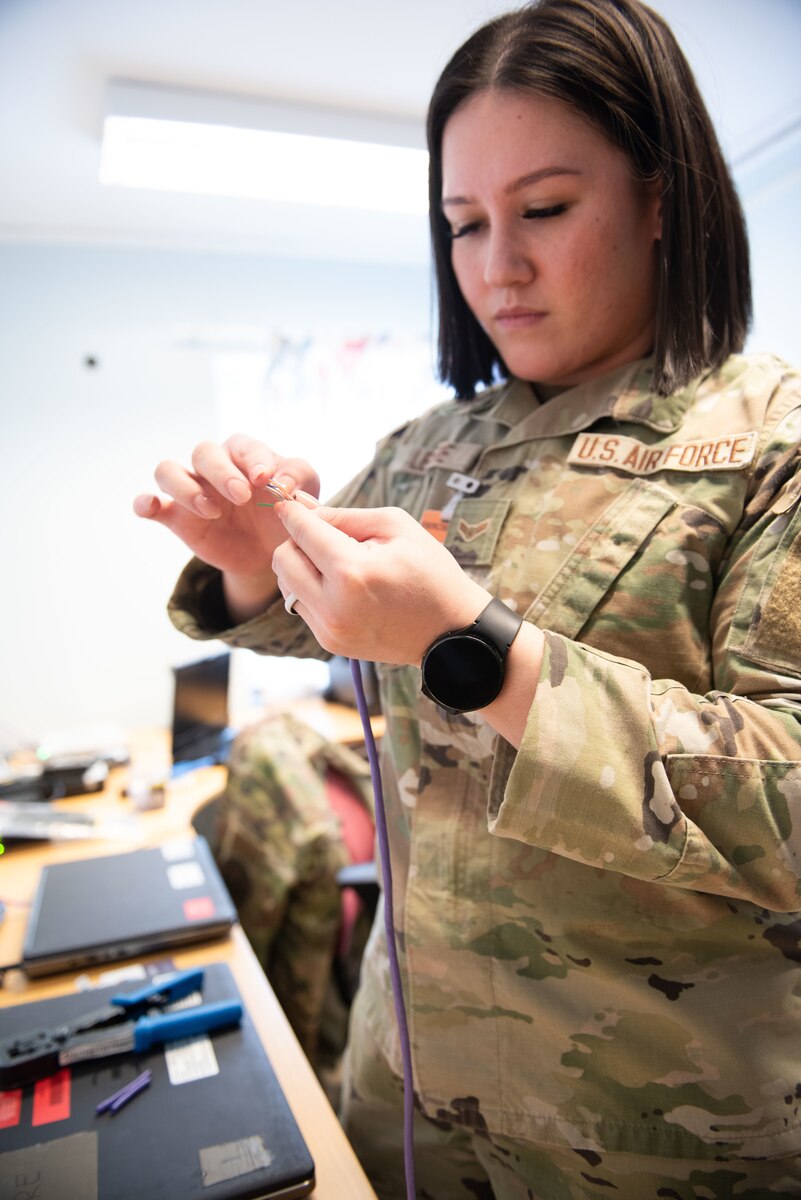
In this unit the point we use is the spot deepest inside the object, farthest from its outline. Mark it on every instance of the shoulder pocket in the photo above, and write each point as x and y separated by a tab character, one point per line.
774	632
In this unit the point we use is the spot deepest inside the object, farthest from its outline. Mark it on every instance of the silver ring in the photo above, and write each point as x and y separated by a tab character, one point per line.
290	602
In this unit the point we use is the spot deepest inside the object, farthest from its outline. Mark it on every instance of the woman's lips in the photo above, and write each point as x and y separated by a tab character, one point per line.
518	318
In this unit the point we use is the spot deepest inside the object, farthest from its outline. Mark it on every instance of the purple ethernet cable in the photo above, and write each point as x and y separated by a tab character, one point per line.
389	925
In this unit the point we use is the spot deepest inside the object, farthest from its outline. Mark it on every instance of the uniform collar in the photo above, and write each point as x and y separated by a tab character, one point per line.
623	394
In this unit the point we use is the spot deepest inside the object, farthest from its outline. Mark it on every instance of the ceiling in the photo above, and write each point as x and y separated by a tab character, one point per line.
367	55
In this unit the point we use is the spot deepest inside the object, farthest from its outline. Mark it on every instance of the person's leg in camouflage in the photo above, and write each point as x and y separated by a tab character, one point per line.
446	1165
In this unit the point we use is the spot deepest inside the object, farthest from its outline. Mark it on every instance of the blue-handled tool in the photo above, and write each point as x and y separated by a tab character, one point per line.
175	987
189	1022
131	1023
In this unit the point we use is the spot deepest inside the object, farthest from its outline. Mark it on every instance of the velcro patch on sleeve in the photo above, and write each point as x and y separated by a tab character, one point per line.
777	634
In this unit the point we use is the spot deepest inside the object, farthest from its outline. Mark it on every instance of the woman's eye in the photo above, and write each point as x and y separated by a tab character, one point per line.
464	230
530	214
553	210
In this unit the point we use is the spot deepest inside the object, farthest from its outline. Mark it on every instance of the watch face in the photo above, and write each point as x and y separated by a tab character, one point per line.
463	673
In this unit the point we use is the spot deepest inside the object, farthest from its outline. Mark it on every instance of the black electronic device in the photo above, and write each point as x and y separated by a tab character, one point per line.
100	910
200	726
463	669
57	778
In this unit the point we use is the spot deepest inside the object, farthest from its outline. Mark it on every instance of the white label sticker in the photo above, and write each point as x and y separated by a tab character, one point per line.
191	1059
186	875
131	974
177	849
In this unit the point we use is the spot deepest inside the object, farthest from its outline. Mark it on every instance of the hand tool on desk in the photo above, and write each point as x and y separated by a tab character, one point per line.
130	1023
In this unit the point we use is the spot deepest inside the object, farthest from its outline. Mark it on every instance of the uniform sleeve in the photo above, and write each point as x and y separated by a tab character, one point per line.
624	772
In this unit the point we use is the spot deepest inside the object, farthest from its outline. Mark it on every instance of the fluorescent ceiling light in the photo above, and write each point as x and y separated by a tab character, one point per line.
181	141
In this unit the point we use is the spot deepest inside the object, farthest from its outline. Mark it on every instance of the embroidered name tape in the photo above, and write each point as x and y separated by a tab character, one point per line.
729	453
454	456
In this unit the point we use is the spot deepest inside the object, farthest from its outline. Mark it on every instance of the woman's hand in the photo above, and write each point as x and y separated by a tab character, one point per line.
218	510
372	583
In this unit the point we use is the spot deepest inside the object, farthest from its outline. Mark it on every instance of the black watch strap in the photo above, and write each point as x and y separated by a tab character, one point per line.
497	624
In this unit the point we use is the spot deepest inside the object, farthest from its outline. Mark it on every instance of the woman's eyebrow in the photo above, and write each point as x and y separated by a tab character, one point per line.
516	184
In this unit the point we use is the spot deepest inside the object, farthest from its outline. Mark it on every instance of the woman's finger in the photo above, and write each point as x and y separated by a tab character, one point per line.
175	517
295	475
295	572
147	506
257	462
319	540
175	481
215	465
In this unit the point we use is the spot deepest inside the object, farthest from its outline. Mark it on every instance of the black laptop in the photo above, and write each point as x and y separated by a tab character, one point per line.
200	725
214	1123
99	910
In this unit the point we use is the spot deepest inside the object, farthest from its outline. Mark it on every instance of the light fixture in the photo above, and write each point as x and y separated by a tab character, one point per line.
175	139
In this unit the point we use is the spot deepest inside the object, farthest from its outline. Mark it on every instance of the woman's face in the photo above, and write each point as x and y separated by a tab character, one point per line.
554	242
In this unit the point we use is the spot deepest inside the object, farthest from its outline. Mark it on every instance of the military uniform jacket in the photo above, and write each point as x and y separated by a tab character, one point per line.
600	933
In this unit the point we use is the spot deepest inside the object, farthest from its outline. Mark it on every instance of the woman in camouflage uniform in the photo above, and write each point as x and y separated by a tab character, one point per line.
597	876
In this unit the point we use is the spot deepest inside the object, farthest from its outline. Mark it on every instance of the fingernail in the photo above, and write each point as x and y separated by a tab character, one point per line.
145	506
309	501
257	472
206	507
238	490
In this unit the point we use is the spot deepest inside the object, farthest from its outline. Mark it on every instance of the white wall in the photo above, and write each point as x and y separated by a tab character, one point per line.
83	633
770	188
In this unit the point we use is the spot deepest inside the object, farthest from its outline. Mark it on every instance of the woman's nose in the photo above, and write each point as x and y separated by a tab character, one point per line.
507	261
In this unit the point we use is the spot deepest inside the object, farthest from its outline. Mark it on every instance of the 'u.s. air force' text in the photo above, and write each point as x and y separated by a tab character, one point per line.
728	453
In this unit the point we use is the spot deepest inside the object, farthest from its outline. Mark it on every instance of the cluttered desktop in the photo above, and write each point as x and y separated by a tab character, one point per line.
133	1011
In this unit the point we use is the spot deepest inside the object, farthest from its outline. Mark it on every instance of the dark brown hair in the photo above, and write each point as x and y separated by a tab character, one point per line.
618	65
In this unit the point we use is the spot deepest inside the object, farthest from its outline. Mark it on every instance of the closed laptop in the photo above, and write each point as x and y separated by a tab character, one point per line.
100	910
214	1123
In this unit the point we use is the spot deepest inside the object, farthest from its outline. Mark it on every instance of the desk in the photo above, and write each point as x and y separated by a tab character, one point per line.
334	722
338	1171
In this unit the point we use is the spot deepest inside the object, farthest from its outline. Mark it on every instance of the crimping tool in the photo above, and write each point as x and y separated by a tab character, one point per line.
130	1023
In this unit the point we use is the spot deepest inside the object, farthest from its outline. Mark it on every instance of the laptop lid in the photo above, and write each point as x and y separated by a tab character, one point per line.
98	910
214	1123
200	723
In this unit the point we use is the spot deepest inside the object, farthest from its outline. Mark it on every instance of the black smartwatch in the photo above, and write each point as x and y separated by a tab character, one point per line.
463	669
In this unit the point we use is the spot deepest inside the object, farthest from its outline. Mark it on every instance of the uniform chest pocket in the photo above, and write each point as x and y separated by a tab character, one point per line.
606	547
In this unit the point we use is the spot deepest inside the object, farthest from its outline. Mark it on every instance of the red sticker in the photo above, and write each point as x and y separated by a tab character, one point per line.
199	908
51	1098
10	1108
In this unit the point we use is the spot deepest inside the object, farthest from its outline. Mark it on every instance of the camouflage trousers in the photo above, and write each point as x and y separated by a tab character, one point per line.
454	1163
